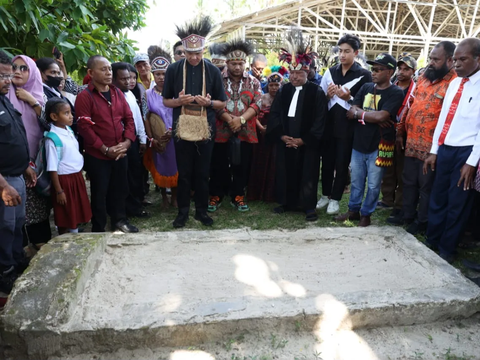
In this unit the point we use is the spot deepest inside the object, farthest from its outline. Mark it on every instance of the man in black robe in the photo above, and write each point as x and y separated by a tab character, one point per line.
297	120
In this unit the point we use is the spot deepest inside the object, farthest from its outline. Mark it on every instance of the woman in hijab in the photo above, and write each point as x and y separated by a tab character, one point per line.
26	95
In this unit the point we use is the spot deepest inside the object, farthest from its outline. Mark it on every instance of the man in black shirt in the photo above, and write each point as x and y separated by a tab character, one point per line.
340	83
14	160
373	112
193	157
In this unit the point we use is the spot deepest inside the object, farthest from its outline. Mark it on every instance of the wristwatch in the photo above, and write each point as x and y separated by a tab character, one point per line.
242	120
36	104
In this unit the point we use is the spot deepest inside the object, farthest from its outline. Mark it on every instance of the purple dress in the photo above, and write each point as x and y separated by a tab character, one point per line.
163	167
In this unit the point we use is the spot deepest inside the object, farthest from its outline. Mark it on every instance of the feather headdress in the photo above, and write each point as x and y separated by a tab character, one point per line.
216	50
159	58
297	52
216	53
269	71
193	34
237	50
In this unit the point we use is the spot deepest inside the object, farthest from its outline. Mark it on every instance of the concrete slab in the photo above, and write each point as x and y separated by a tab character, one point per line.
186	288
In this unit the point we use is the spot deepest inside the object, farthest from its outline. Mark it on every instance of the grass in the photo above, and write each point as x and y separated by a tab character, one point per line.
261	217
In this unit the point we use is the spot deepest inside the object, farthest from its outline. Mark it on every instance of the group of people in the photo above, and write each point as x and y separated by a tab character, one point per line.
208	129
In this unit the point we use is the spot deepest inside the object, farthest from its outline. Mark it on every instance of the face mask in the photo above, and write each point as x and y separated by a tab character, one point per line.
53	82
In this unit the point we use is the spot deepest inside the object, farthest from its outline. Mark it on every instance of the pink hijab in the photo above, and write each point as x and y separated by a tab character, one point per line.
34	86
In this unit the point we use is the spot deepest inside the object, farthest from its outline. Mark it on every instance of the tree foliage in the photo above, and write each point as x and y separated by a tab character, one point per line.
78	28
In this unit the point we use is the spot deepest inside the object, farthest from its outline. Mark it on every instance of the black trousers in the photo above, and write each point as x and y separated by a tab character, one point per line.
109	189
416	189
193	164
225	176
336	156
450	205
133	204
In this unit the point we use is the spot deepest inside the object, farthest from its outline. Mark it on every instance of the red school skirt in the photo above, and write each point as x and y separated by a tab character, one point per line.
77	209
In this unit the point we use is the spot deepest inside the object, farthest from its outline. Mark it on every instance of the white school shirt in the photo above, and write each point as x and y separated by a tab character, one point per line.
137	116
72	160
465	127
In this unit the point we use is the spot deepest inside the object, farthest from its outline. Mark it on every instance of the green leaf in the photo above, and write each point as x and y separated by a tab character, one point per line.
44	34
67	45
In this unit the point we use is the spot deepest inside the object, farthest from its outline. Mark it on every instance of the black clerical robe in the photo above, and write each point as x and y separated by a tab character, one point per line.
297	170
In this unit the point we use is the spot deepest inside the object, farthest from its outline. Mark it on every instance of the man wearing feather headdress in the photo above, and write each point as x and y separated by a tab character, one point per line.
193	86
236	128
217	57
297	120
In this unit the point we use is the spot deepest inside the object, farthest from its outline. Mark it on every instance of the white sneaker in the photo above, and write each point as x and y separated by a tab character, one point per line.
333	207
323	202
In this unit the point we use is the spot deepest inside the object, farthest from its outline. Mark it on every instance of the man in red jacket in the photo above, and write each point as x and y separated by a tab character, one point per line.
106	124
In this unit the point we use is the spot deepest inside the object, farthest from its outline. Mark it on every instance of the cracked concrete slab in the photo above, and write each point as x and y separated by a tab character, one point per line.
188	287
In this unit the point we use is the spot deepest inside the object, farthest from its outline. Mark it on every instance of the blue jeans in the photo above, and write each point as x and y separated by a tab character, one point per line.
364	169
12	219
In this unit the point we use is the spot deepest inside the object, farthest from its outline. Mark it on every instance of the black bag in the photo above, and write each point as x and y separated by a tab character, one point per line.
235	150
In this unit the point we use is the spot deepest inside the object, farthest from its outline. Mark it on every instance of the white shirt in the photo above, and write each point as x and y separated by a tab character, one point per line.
137	116
72	160
465	127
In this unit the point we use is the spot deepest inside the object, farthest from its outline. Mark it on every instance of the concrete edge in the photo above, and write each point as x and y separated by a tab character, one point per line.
33	307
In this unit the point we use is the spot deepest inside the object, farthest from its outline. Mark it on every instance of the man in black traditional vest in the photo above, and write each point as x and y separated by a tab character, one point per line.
184	91
297	120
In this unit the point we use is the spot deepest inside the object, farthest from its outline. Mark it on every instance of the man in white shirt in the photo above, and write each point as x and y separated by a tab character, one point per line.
455	152
121	78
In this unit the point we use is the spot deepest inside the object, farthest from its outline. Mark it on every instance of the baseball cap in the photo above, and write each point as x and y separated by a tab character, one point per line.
409	61
140	57
385	60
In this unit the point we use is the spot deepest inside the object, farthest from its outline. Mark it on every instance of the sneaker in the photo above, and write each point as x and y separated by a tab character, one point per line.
240	203
417	227
214	204
333	207
323	202
381	205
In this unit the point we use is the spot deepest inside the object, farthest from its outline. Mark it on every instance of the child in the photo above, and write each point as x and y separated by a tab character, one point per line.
69	194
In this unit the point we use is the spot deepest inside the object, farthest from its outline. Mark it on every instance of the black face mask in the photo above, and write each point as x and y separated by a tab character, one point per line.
53	82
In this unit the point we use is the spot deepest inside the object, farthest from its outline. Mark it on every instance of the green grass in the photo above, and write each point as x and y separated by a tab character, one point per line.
261	217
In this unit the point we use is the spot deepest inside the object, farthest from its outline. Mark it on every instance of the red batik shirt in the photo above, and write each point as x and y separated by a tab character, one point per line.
240	96
419	121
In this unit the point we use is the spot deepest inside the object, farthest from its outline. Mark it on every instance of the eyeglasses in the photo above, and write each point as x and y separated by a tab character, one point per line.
179	52
377	70
7	76
22	68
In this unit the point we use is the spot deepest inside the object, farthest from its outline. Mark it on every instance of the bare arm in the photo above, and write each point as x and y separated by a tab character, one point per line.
61	198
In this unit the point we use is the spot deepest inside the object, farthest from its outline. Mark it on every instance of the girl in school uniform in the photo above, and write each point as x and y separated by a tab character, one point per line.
69	193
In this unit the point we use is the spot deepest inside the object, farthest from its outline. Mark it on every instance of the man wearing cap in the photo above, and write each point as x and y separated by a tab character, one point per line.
236	127
141	62
392	185
374	110
193	86
415	135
